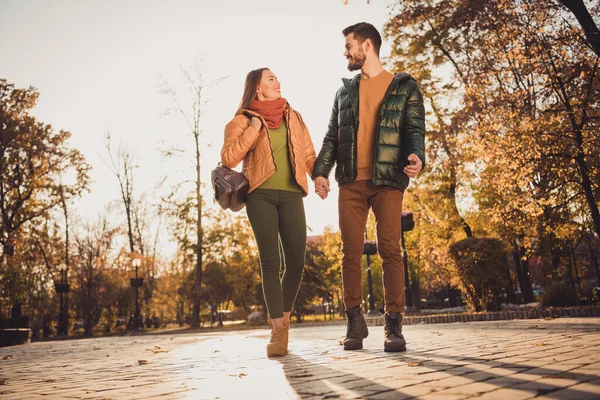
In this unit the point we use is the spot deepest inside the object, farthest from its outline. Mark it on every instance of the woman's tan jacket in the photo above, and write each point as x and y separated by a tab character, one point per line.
242	139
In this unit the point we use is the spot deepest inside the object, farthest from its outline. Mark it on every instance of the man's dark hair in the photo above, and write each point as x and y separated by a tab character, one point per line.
363	31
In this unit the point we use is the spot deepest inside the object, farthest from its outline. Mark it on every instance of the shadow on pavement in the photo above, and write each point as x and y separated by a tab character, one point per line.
312	377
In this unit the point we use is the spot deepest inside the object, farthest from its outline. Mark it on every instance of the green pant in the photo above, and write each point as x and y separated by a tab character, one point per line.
277	217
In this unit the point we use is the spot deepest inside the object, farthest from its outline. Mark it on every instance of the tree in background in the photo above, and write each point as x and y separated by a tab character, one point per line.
195	79
33	157
524	101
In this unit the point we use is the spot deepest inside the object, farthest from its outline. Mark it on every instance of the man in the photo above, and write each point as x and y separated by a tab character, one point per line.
376	137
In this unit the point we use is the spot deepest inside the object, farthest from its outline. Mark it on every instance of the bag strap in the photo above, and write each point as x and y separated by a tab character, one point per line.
245	164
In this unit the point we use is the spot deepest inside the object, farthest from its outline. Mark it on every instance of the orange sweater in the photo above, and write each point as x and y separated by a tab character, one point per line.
371	92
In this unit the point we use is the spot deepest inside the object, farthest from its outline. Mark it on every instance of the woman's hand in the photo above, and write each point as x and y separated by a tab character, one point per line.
255	123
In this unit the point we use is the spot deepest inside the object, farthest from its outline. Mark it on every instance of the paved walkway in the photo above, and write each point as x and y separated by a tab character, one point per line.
521	359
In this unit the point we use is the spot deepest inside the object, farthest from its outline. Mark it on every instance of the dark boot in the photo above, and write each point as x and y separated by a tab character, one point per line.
394	340
356	329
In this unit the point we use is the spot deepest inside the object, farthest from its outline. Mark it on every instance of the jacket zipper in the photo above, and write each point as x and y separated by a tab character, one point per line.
290	144
385	97
356	123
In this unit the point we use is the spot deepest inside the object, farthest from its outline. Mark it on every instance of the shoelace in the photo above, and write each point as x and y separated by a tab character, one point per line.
392	326
351	324
277	333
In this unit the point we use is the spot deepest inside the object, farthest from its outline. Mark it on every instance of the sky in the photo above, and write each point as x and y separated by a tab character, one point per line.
97	65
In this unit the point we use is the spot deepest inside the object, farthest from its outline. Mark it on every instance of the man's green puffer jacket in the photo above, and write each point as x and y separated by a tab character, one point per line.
400	132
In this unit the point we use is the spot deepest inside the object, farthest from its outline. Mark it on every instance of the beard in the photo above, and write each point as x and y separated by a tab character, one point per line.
357	61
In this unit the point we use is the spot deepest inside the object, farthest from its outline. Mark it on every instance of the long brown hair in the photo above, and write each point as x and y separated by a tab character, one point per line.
252	81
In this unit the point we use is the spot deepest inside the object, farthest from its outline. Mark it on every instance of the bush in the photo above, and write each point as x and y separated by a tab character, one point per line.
481	266
559	295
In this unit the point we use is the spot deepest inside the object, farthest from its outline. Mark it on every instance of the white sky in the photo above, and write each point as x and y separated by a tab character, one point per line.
96	65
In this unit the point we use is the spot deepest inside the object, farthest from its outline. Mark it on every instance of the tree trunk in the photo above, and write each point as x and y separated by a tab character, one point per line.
580	11
594	258
587	188
463	223
518	269
511	298
528	289
555	259
198	281
576	270
570	270
65	323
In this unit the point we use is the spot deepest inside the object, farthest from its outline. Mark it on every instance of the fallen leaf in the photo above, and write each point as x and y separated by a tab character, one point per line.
436	333
541	344
339	357
216	351
341	343
415	364
7	357
142	362
536	327
241	375
157	350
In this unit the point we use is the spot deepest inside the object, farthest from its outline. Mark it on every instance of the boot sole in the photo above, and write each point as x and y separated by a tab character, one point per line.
352	347
394	349
276	354
358	347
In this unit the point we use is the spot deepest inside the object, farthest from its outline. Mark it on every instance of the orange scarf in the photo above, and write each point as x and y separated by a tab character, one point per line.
270	110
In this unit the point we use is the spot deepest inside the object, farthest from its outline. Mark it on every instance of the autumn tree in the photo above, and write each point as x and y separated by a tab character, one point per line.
33	156
199	90
523	87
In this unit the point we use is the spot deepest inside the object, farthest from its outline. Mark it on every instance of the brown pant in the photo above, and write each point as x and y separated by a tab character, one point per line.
355	199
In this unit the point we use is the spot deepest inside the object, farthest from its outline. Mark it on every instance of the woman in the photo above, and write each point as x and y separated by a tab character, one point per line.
278	154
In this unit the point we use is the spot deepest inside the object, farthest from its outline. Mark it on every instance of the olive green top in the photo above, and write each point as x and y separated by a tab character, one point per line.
283	179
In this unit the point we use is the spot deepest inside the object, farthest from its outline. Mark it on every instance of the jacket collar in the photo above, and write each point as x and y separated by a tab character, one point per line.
352	84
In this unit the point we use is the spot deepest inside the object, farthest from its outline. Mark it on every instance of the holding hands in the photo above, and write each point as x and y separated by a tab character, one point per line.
322	187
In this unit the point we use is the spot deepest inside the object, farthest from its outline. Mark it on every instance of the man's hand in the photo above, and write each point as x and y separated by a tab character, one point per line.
414	167
322	187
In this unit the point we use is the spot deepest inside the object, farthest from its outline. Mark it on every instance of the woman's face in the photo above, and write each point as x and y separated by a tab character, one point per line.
269	87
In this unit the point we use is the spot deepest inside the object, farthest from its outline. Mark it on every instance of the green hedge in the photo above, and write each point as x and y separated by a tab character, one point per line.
482	268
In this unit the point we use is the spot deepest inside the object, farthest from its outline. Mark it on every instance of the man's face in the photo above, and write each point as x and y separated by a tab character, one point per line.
354	53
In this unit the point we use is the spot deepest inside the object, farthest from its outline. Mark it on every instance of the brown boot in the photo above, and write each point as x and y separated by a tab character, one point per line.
277	346
286	326
394	339
356	329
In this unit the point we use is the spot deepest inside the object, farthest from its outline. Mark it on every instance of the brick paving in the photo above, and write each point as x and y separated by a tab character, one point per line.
519	359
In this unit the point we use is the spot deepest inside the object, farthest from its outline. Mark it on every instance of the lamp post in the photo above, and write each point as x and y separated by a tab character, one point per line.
62	288
407	225
369	249
137	283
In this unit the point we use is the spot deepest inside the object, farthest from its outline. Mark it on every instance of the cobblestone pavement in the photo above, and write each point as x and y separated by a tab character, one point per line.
558	359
